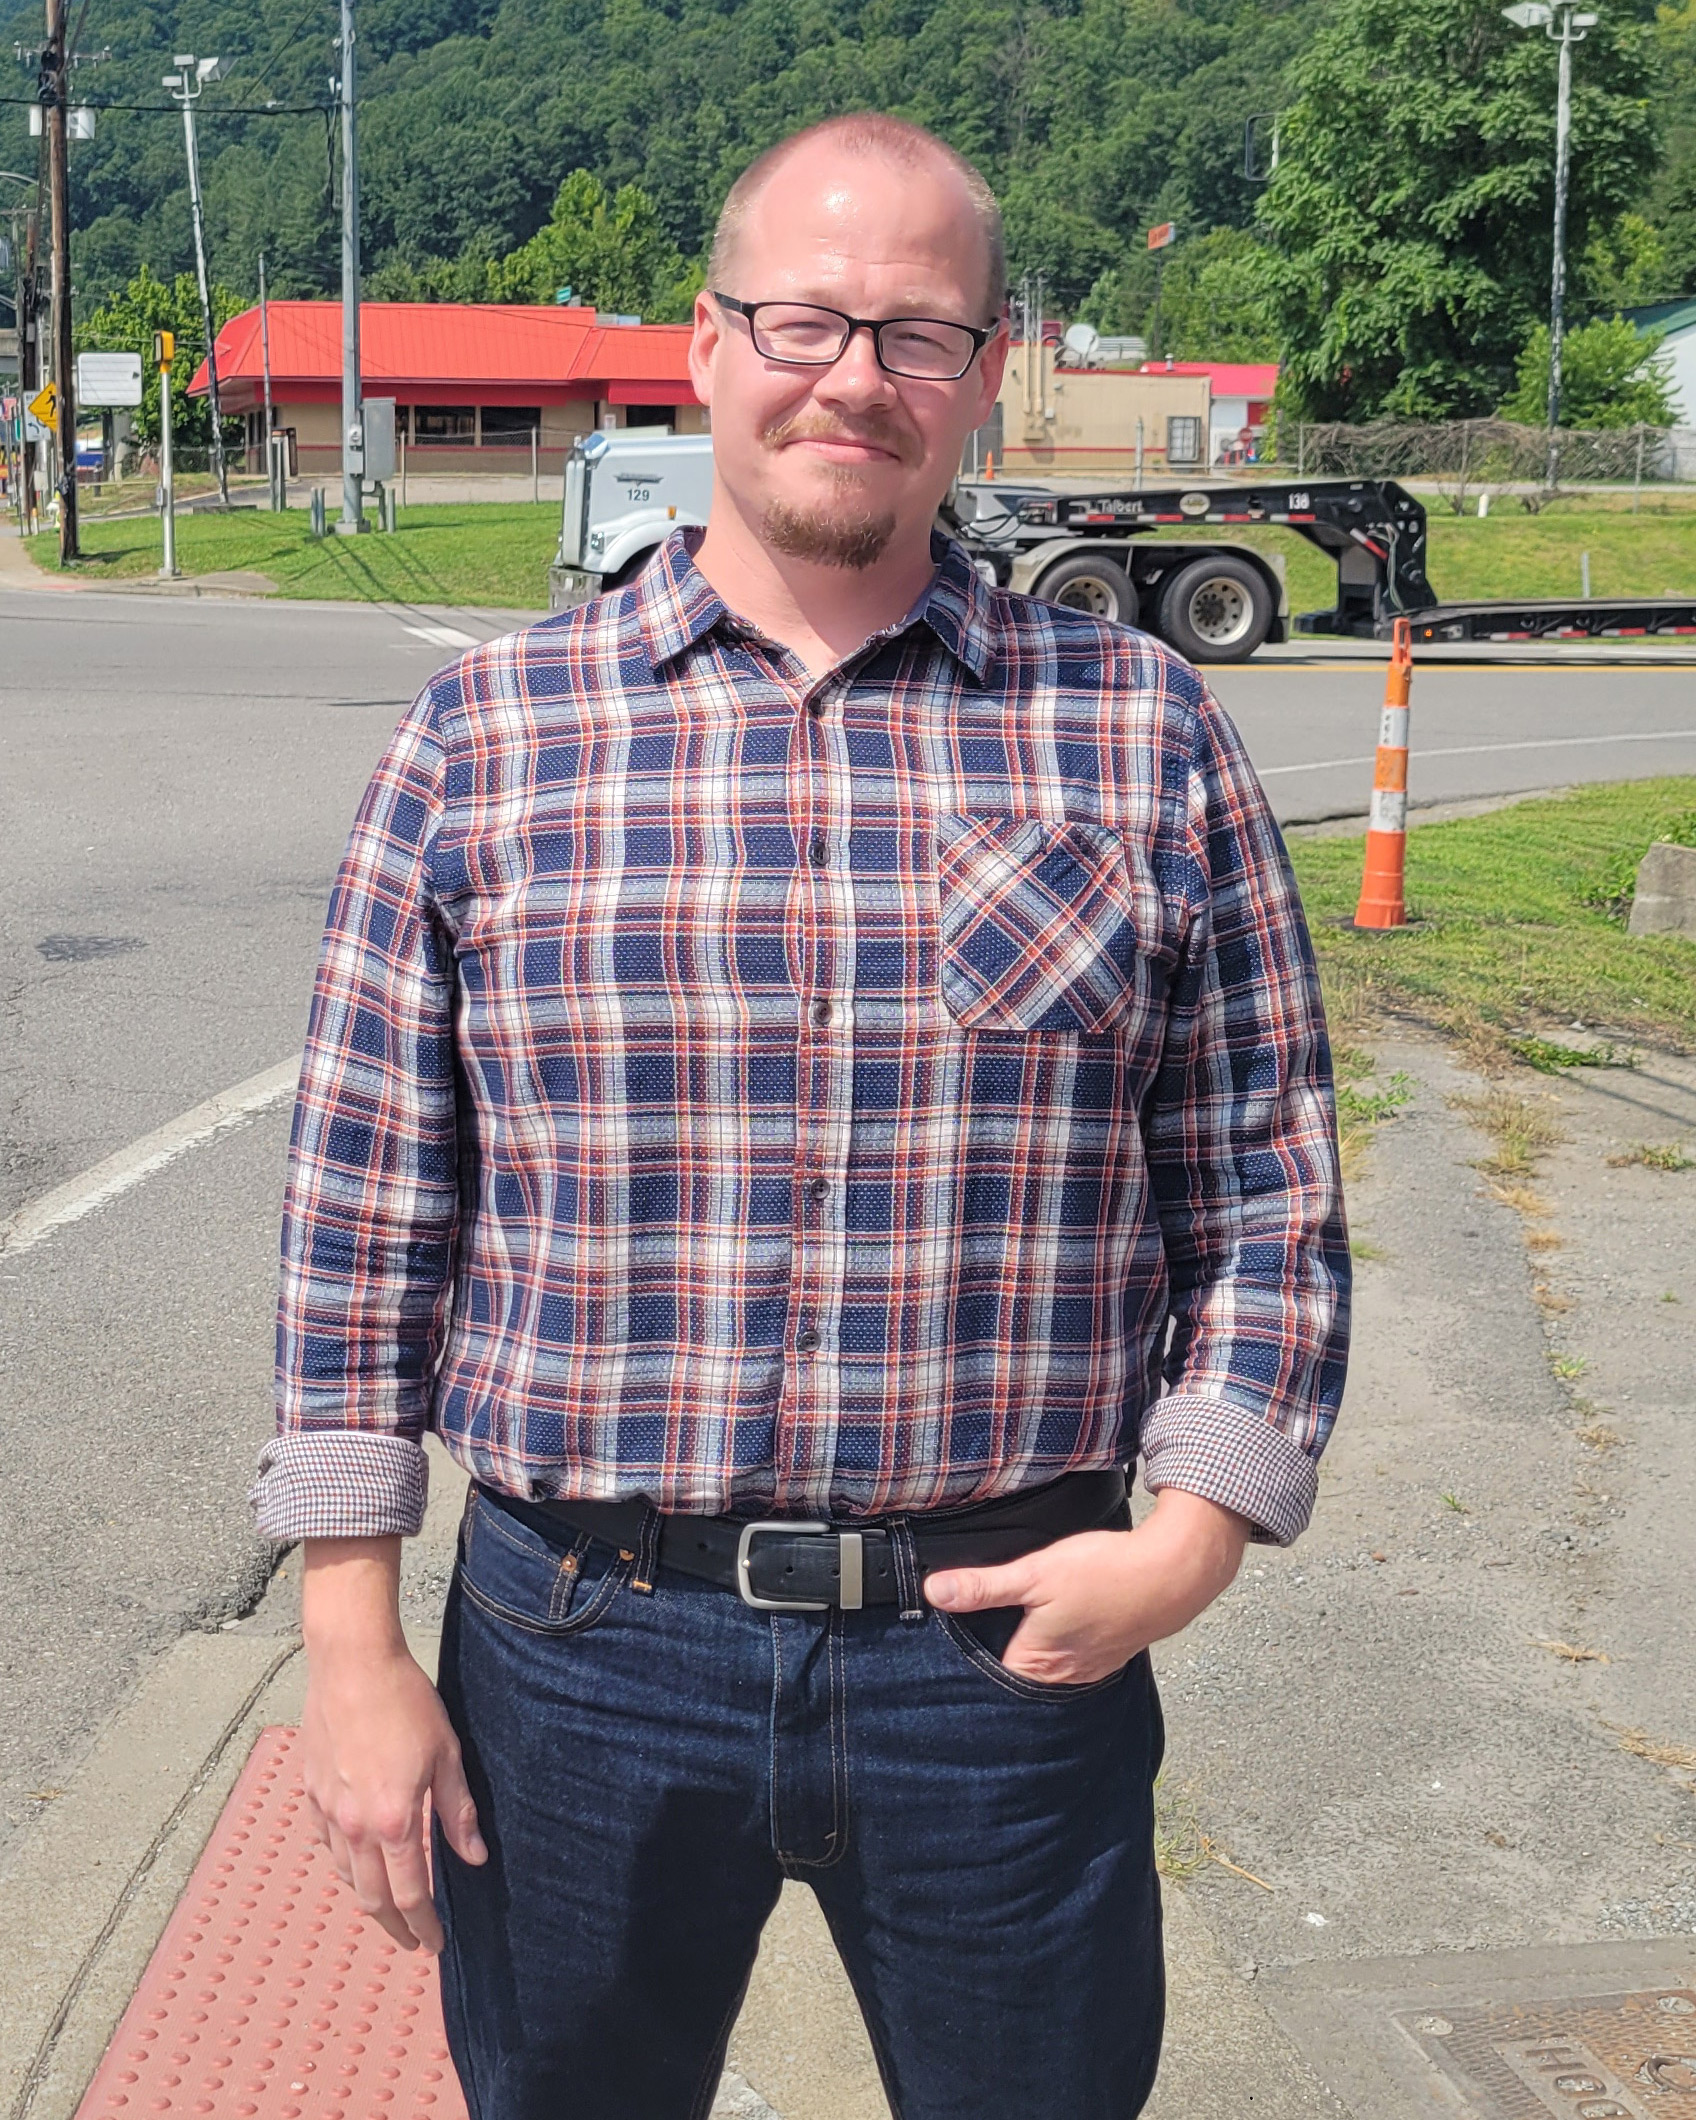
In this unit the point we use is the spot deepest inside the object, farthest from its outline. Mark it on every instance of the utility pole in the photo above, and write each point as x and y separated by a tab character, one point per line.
265	362
186	85
23	310
54	84
29	353
353	421
1561	21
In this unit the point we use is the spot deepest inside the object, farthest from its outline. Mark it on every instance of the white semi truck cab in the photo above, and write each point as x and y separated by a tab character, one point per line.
625	492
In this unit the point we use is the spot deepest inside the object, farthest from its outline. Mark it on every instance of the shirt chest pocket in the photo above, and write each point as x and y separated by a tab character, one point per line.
1039	927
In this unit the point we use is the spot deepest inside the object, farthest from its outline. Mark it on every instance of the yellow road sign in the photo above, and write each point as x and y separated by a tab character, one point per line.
45	404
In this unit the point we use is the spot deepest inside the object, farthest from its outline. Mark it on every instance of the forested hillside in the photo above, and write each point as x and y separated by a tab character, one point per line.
1094	117
1425	124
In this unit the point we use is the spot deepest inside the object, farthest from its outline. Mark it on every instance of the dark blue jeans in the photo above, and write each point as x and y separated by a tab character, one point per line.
649	1767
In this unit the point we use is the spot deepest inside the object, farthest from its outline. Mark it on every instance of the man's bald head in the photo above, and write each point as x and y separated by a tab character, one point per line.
871	135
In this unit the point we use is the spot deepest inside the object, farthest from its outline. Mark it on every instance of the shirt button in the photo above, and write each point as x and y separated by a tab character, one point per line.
816	852
806	1342
821	1011
818	1188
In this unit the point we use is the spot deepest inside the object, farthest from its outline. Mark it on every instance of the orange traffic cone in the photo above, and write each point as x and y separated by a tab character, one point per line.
1382	901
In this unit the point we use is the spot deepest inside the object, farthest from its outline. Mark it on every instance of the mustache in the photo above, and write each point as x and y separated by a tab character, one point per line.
808	427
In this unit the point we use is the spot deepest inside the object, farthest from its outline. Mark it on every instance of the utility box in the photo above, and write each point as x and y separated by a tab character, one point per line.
379	440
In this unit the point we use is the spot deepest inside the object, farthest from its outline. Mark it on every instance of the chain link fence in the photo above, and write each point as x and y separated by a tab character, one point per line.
1462	457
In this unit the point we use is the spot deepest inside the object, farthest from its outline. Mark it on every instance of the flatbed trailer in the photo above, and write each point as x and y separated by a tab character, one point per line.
1217	601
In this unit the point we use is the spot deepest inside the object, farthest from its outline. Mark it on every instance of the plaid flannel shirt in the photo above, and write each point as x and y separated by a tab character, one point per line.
843	1096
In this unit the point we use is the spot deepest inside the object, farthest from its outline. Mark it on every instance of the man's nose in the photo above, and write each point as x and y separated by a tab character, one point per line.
856	377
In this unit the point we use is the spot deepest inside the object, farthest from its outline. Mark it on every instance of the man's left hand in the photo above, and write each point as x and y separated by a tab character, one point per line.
1093	1601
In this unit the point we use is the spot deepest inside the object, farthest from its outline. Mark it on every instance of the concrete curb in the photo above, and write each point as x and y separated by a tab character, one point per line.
87	1890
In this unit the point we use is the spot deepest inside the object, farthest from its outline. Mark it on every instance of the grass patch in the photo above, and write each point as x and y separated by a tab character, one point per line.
481	552
1512	554
1512	945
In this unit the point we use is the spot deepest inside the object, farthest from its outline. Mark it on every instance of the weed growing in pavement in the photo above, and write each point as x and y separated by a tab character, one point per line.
1568	1367
1655	1155
1520	1131
1548	1057
1179	1852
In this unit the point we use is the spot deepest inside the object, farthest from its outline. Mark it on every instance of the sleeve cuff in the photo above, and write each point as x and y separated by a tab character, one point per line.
1233	1457
340	1483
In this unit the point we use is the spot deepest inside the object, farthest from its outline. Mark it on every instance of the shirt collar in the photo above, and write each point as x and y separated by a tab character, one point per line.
676	605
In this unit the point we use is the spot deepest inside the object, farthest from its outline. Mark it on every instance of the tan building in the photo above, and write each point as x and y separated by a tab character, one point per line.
1052	422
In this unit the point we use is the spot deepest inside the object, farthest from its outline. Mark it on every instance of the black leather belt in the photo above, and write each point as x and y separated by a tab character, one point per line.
788	1564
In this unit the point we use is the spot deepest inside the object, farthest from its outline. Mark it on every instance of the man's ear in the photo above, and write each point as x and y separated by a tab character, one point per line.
709	330
992	364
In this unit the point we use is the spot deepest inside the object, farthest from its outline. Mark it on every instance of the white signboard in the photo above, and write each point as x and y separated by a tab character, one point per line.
108	379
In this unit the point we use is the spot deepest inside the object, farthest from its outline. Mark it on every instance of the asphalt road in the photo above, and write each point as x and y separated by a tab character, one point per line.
177	786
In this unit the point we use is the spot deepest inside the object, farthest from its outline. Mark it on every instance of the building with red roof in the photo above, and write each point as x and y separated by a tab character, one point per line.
472	382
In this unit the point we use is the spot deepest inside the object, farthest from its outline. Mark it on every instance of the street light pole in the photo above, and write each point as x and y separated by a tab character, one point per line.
1564	24
185	85
353	427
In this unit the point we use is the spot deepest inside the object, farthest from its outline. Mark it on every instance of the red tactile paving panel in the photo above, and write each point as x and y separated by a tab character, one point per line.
270	1994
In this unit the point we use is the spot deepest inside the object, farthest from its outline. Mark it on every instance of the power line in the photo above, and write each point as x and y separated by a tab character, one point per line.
254	110
288	44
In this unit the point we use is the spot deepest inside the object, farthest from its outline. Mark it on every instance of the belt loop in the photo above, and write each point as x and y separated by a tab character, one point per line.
903	1550
647	1553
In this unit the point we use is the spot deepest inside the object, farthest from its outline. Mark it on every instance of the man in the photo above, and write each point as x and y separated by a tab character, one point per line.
804	1046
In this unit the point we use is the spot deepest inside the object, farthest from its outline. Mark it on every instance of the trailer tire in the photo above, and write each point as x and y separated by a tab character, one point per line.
1090	582
1218	609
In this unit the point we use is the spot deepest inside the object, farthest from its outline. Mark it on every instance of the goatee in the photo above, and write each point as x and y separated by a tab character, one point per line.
828	537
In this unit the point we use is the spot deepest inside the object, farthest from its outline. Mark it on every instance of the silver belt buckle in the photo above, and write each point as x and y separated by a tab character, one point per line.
852	1575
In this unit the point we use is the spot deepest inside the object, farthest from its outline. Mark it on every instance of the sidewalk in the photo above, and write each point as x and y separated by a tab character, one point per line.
1446	1743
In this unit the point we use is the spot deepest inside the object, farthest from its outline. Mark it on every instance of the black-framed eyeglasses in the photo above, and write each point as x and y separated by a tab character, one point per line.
806	335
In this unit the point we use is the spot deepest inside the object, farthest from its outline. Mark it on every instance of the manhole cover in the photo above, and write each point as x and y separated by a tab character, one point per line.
1555	2032
1607	2057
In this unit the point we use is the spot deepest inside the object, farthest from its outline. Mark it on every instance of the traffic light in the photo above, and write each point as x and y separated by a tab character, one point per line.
164	349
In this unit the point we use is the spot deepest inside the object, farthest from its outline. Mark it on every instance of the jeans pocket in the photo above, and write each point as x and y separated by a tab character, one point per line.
982	1638
514	1574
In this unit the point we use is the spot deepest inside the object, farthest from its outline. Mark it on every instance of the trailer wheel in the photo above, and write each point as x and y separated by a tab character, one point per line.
1217	609
1091	582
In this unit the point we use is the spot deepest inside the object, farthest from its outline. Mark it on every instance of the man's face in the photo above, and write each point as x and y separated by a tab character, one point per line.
830	464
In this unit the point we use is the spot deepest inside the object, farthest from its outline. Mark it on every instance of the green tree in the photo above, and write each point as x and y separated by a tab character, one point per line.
1213	304
610	250
126	322
1410	212
1612	375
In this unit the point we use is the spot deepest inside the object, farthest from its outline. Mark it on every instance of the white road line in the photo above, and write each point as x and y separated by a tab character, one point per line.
1477	750
118	1173
445	636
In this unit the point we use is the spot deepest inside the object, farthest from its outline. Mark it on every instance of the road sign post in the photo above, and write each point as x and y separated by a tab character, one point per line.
164	353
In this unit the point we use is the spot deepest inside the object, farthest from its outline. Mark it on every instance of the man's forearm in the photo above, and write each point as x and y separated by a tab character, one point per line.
350	1596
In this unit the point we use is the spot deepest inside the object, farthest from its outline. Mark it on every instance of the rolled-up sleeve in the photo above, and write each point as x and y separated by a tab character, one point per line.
370	1208
1242	1145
